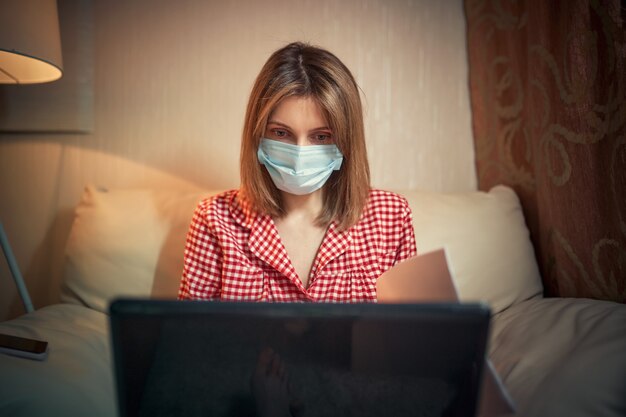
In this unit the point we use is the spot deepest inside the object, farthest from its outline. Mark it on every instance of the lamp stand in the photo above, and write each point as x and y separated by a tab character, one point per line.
15	271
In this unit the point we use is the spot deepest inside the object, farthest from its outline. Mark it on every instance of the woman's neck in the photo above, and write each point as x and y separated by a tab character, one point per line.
305	207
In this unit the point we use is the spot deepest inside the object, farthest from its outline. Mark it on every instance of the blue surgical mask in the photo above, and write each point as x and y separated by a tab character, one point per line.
299	169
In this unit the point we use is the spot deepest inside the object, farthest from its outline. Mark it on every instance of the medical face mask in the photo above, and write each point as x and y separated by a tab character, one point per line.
299	169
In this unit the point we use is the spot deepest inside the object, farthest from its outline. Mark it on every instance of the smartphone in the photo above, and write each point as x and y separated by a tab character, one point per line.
23	347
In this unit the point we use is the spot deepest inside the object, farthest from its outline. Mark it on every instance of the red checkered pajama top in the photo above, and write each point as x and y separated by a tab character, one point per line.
233	253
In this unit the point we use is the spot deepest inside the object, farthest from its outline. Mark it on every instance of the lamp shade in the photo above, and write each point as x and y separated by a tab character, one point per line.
30	42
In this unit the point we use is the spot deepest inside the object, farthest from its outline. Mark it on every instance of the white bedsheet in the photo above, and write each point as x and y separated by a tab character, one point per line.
563	356
557	357
75	379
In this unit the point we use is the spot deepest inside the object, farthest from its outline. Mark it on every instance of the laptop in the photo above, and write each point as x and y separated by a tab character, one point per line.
211	358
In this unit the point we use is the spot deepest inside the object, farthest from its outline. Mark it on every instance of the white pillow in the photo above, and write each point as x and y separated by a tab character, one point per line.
130	242
486	241
127	242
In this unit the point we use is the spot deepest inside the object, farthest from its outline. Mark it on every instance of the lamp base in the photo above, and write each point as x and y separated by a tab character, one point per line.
15	271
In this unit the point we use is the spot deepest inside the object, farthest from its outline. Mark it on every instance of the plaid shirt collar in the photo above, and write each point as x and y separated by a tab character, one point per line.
265	243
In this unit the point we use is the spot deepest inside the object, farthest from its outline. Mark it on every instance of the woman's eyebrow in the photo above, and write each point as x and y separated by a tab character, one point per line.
275	122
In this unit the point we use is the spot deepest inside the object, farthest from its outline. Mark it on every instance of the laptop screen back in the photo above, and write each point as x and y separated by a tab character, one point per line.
245	359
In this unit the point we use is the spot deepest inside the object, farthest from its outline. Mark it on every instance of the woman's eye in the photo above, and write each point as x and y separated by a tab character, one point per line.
322	137
279	133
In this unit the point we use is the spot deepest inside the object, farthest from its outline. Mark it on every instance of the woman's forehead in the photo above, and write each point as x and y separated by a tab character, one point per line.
299	111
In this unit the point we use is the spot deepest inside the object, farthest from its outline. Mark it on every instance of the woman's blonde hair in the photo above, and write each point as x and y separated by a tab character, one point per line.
303	70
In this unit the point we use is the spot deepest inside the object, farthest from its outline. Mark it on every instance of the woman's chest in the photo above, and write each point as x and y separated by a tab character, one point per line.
338	270
302	244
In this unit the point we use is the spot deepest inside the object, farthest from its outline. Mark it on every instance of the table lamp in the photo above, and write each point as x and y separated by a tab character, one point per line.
30	53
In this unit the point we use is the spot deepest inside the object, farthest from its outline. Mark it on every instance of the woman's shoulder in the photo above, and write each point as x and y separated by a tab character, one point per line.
386	207
385	213
386	200
216	201
225	208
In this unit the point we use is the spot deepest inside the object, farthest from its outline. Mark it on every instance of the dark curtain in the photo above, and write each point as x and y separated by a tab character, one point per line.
548	88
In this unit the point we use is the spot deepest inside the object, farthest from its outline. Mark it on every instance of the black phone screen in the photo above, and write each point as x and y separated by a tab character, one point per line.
22	343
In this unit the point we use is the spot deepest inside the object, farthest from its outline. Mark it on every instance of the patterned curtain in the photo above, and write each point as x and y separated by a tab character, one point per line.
548	92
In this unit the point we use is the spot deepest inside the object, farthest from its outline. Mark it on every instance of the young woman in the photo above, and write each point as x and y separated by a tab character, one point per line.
305	224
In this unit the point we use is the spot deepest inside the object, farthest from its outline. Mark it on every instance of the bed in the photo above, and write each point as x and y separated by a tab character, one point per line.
556	356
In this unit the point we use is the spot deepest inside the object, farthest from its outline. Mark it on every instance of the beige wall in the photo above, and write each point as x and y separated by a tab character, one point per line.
171	84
